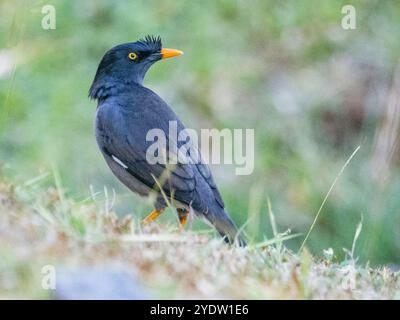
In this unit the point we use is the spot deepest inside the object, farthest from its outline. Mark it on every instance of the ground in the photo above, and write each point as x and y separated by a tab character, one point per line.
41	226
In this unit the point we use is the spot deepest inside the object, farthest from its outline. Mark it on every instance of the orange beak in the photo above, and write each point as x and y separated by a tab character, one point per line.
169	53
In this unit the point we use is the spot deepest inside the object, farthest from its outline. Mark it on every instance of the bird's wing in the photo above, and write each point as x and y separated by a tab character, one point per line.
126	143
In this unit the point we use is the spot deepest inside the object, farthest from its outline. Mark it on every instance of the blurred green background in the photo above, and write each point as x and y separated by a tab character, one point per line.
311	90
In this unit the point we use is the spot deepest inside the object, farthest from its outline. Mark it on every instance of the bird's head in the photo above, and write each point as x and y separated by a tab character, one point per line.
127	64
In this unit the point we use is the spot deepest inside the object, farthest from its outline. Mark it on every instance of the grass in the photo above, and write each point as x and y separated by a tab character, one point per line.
40	225
326	197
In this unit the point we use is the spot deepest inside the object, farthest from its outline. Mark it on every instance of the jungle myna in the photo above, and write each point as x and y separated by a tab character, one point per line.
126	112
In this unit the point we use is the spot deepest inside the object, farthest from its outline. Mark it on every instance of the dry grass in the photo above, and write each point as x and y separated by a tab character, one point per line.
40	227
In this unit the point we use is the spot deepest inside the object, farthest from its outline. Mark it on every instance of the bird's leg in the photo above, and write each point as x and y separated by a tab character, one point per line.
183	216
152	216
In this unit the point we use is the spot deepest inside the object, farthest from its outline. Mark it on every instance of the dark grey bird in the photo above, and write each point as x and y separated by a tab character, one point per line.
126	112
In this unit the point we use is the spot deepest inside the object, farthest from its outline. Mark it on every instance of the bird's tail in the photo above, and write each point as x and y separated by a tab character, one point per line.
226	228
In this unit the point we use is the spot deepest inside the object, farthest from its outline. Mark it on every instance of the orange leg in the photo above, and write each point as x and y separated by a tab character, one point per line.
152	216
183	217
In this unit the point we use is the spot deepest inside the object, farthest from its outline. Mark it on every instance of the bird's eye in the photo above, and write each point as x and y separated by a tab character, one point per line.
132	55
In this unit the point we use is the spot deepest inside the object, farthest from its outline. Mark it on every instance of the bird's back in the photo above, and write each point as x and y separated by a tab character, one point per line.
122	124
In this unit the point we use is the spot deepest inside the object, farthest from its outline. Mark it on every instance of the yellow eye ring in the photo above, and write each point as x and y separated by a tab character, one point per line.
132	55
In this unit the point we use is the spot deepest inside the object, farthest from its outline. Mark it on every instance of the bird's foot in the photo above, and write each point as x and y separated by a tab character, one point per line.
152	216
183	217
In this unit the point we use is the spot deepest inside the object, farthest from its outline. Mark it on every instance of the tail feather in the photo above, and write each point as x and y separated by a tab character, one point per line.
227	228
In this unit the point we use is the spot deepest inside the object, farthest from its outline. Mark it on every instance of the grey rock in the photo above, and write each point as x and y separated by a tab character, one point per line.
97	284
